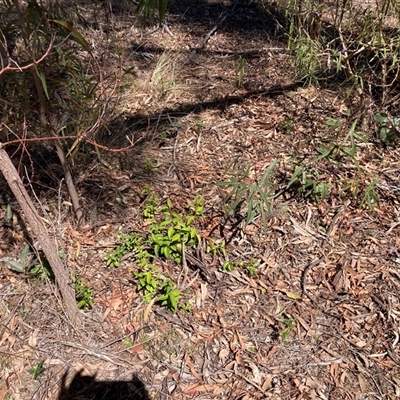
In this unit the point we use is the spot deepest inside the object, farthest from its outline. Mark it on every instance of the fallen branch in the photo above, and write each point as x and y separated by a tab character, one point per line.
39	231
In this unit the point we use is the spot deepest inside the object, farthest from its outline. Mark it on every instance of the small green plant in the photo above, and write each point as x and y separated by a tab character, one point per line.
149	282
306	181
170	295
149	165
42	269
229	266
24	261
389	129
289	328
339	148
251	188
84	294
371	198
130	243
251	267
172	233
214	248
287	125
241	66
37	370
248	267
200	124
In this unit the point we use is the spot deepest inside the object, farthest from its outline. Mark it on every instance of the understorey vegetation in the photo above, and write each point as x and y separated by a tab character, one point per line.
203	194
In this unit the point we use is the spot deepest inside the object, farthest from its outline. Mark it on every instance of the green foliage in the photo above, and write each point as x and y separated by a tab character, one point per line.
130	243
149	165
389	129
354	45
229	266
84	294
371	198
170	233
150	7
251	189
339	146
249	267
37	370
215	249
287	125
241	66
42	268
24	261
169	296
306	181
289	328
53	95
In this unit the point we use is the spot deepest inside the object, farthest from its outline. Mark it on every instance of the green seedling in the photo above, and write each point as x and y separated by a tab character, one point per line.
339	148
252	190
241	66
170	296
170	234
287	125
289	328
24	261
229	266
215	249
149	165
250	268
371	198
42	270
149	282
306	181
84	293
389	129
37	370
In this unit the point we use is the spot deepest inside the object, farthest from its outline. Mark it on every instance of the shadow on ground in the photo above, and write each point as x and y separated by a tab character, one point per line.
86	387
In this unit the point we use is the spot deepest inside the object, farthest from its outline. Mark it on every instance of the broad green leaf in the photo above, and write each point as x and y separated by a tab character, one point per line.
76	34
14	265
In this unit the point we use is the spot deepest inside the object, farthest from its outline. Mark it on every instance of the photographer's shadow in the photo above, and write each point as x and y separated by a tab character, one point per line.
87	388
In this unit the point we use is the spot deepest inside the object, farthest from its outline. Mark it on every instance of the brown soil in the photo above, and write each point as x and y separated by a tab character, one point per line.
318	320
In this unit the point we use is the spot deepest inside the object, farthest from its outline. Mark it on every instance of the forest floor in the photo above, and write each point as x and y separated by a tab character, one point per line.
310	311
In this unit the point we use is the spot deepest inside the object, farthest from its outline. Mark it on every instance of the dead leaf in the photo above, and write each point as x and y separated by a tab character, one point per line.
291	295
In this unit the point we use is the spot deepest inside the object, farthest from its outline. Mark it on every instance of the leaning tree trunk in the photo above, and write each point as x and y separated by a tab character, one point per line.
39	231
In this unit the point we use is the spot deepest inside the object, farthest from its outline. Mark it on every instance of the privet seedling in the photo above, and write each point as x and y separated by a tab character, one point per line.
170	233
248	267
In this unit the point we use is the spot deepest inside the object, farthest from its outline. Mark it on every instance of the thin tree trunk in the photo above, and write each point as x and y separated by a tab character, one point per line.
70	184
39	231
